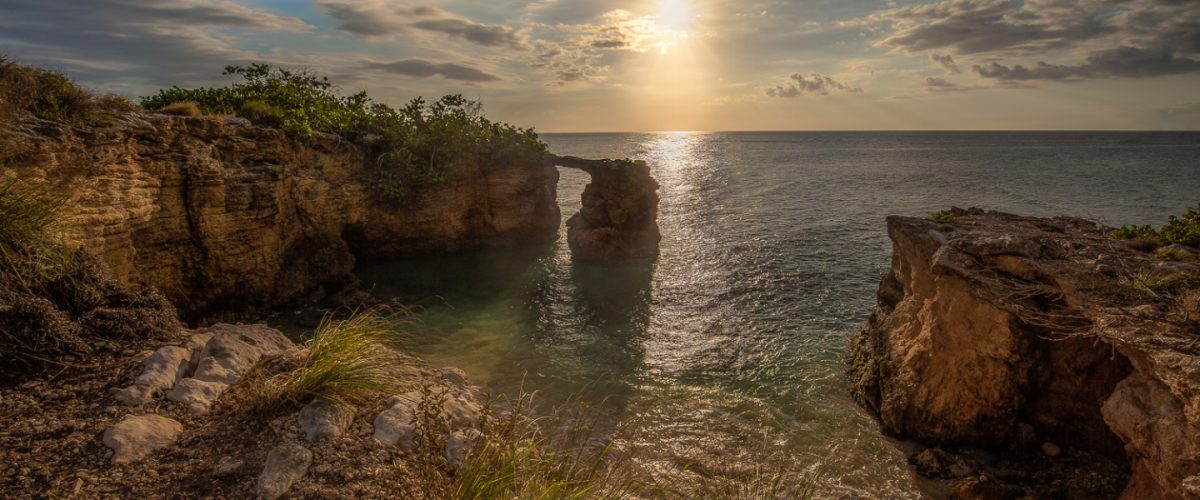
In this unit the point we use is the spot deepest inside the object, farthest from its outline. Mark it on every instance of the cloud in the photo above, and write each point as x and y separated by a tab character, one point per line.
587	52
811	84
376	18
1130	62
424	69
946	62
939	85
137	45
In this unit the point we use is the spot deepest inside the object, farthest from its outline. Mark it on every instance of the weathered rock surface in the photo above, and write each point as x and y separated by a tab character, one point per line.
321	419
219	214
994	324
230	352
395	426
286	464
161	371
137	436
619	217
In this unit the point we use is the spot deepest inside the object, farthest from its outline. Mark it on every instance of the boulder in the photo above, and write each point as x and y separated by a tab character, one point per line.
229	352
321	419
137	436
395	425
286	464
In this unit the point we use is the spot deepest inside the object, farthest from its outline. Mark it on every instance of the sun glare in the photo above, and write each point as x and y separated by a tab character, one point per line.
674	15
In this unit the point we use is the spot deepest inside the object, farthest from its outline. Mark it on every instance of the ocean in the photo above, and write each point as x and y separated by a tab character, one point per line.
727	352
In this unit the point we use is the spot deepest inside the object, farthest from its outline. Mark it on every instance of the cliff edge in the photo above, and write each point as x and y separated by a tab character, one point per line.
220	214
1006	332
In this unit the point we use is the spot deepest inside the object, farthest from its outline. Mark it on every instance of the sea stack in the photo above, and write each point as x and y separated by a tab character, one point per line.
618	221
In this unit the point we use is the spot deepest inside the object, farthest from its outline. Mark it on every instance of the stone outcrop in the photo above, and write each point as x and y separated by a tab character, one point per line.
619	217
230	352
219	214
137	436
994	329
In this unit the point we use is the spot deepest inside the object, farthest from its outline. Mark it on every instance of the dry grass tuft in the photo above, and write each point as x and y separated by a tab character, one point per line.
345	360
183	108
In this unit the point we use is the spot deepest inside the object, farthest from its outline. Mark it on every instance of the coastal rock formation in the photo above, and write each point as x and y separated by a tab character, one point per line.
230	352
993	328
219	214
619	217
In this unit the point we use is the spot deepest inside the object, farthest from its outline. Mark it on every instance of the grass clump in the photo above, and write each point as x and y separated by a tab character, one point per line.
515	454
345	360
1174	253
1182	229
182	108
415	146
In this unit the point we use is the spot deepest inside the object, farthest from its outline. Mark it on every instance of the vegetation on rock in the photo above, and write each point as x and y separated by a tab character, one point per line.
56	303
414	146
1183	229
50	95
344	360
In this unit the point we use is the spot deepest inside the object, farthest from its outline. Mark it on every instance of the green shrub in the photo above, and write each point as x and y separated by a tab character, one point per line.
260	113
413	147
945	217
1182	229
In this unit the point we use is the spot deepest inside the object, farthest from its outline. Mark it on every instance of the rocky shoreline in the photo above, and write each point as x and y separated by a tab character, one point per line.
1041	337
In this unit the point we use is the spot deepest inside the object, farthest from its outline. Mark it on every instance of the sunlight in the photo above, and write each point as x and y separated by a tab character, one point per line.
674	15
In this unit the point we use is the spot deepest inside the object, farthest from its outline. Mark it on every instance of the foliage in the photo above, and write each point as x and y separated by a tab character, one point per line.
944	216
1174	253
28	254
346	359
415	146
49	95
1182	229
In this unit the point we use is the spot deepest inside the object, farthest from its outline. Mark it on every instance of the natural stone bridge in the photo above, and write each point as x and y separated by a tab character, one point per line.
619	217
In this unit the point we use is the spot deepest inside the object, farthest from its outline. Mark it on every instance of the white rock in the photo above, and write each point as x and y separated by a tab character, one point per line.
137	436
286	463
227	465
322	419
394	426
228	353
162	370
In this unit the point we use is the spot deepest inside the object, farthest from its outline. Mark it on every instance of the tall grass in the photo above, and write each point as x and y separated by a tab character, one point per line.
345	359
517	454
29	255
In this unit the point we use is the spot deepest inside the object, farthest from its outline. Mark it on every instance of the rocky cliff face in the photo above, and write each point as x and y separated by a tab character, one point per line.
219	214
619	217
1004	331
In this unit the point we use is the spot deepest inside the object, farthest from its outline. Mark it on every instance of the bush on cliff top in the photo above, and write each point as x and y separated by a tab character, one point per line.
415	146
1182	229
50	95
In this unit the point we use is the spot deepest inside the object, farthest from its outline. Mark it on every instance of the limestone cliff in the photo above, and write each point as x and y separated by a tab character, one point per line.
1001	331
618	220
217	213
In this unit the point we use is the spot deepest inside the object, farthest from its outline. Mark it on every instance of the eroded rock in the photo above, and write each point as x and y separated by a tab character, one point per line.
137	436
619	217
161	371
229	353
286	464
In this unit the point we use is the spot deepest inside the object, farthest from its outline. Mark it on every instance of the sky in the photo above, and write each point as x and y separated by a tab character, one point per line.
640	65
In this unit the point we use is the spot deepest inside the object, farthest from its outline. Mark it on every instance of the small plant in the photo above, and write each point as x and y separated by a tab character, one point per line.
346	359
944	216
48	95
1182	229
182	108
1174	253
260	113
29	254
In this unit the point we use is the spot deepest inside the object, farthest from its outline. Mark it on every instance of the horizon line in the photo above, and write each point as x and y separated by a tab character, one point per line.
853	130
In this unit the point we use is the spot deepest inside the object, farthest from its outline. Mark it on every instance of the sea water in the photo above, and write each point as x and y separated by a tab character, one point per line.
728	351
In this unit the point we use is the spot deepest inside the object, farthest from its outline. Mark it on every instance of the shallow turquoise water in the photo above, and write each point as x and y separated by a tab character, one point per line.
728	350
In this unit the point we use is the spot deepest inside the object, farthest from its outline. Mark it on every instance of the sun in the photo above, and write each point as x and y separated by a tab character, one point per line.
674	15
